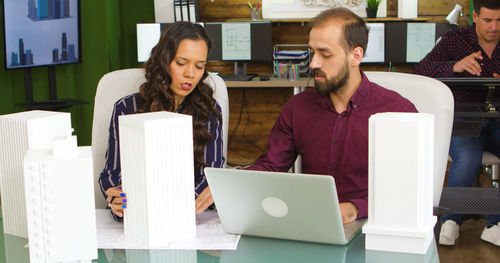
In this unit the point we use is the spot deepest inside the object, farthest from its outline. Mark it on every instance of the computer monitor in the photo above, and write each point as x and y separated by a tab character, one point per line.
231	41
148	35
240	42
411	42
375	50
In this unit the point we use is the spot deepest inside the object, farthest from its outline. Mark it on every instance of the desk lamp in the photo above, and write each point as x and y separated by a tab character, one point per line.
455	14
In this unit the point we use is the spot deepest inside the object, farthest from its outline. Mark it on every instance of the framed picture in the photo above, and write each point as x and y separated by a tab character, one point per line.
303	9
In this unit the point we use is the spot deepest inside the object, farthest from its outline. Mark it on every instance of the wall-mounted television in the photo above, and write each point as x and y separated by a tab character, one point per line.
41	33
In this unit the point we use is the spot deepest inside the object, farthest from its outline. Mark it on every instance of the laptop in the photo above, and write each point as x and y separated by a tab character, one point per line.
302	207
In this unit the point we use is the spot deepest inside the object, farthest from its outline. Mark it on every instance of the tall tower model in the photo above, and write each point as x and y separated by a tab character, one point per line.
60	204
156	152
400	179
18	133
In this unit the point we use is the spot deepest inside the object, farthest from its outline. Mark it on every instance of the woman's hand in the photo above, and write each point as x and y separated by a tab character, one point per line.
203	201
117	200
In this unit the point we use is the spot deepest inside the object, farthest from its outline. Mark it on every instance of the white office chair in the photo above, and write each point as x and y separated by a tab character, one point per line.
120	83
429	96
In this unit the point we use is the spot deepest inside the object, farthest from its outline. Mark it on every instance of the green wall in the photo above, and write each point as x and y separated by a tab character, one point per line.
108	42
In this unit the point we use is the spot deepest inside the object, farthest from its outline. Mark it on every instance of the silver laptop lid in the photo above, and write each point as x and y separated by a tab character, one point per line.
280	205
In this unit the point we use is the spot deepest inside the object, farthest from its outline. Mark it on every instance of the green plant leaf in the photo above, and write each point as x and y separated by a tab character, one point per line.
372	3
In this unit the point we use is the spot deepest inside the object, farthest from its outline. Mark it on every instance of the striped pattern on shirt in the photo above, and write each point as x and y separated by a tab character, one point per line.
111	174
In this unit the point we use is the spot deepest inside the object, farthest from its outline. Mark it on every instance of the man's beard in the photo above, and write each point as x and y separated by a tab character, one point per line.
333	84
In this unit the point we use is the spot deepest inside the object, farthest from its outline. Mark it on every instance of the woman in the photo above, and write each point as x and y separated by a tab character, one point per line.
174	82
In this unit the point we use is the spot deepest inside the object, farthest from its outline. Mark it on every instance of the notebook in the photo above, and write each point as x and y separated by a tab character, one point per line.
302	207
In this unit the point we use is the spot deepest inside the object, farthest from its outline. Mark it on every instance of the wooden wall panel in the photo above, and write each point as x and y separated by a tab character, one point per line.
253	112
222	10
440	8
263	106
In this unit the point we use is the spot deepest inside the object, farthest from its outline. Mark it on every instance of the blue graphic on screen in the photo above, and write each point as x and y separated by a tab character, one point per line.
41	32
48	9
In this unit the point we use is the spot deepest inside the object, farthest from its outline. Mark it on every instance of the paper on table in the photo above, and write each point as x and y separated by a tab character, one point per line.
209	235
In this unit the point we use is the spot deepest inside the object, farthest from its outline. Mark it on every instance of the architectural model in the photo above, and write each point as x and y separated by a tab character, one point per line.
156	154
60	204
400	171
18	133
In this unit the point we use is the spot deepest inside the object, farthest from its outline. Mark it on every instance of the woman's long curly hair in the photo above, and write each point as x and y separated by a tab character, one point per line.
157	96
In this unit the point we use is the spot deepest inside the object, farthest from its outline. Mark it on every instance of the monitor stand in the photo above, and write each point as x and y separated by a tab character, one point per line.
53	103
240	68
240	73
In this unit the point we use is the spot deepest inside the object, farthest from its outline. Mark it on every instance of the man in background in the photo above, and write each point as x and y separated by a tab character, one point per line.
328	125
473	51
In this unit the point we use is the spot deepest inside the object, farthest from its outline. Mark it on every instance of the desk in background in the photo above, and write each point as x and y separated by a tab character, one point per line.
472	126
297	85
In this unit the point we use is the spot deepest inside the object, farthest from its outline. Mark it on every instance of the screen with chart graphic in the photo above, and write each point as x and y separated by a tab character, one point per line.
41	33
240	42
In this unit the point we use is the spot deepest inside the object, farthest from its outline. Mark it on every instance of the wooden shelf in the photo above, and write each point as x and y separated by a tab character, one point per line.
395	19
302	20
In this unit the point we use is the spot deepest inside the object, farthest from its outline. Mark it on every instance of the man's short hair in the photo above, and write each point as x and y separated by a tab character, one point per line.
490	4
355	30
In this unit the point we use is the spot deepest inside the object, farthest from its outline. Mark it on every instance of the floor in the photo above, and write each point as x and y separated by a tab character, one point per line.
469	247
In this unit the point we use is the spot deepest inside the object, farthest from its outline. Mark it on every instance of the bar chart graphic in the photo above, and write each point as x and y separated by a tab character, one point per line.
48	9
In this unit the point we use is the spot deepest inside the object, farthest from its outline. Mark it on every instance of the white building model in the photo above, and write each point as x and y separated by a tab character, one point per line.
18	133
156	154
400	171
60	203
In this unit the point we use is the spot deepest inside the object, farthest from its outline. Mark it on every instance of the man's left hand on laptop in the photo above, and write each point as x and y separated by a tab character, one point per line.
349	212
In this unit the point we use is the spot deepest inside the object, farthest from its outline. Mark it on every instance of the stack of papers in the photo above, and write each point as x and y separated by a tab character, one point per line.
290	54
209	235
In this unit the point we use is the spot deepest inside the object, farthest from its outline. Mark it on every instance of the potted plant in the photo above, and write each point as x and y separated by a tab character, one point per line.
371	8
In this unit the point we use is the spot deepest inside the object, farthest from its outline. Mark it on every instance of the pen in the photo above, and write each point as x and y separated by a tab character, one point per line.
390	67
250	5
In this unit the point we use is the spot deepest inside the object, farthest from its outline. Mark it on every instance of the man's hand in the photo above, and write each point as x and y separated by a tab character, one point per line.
203	201
349	212
469	64
496	75
117	200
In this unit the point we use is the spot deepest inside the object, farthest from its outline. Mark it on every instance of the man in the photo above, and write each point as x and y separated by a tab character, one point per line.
473	51
328	125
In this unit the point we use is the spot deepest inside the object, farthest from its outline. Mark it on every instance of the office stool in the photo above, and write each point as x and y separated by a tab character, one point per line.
491	164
